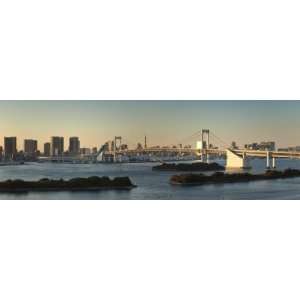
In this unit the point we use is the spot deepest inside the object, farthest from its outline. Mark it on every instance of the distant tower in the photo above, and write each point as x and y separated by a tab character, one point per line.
74	145
145	142
57	146
205	138
205	145
10	147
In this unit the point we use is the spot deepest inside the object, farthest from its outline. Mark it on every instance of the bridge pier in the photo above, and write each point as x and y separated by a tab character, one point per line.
205	158
273	163
268	160
236	161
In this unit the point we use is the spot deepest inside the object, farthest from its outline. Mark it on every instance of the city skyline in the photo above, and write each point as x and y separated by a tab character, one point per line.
72	145
164	122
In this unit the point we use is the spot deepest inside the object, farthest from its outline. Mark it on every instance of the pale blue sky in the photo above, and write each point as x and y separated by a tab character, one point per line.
164	122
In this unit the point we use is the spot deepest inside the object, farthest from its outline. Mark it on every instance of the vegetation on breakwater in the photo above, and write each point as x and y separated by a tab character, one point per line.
221	177
74	184
199	166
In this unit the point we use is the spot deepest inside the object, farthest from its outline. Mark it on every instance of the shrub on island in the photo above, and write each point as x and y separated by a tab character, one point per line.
46	184
198	166
221	177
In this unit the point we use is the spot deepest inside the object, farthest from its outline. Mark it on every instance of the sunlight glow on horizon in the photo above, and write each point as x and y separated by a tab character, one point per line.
164	122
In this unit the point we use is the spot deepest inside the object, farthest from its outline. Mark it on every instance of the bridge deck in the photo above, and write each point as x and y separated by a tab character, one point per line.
252	153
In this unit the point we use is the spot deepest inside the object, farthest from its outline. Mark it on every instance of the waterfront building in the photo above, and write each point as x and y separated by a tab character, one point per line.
263	146
57	146
47	147
85	151
139	146
112	146
267	146
234	145
94	150
252	146
10	147
124	147
30	147
74	145
106	147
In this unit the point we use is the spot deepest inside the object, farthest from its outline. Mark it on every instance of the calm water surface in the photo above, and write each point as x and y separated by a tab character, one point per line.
151	185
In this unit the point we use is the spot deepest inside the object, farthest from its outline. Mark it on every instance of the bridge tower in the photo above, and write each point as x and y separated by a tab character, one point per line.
205	145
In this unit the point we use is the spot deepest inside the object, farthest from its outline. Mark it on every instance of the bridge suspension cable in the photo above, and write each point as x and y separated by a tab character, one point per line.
225	144
194	135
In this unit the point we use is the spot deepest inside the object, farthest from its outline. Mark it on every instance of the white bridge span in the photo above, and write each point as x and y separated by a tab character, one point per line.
235	158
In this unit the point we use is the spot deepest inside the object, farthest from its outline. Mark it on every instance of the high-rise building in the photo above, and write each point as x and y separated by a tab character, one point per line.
30	147
263	146
10	147
47	147
124	147
57	146
85	151
267	146
112	146
234	145
106	147
74	145
139	146
94	150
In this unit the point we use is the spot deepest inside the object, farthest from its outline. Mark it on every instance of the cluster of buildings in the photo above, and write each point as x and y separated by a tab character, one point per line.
290	149
53	148
266	146
263	146
56	148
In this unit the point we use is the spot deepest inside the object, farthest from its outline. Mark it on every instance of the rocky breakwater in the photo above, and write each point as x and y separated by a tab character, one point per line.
221	177
184	167
93	183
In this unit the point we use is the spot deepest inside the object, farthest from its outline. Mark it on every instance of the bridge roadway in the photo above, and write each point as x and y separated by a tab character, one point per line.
157	150
246	152
219	152
275	154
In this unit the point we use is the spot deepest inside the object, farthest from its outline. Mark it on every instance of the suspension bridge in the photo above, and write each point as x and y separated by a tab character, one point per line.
235	158
115	151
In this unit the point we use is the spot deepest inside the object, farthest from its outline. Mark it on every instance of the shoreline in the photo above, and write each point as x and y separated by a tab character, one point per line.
224	178
88	189
188	167
93	183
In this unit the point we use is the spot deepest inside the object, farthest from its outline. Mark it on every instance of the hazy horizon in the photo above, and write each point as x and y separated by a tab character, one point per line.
164	122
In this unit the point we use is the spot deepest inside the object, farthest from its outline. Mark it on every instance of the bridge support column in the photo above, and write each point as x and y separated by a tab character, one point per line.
268	160
273	163
204	156
114	155
236	161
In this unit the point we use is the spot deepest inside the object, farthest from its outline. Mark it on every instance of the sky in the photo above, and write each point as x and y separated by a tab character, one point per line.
164	122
